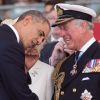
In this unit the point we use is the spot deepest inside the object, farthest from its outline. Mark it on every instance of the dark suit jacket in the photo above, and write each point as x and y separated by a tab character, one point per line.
13	80
46	52
74	86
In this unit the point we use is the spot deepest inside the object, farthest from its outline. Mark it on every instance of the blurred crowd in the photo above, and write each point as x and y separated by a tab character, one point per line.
14	8
5	2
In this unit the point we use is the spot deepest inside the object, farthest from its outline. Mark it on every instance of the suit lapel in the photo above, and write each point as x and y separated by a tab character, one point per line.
88	55
9	31
68	64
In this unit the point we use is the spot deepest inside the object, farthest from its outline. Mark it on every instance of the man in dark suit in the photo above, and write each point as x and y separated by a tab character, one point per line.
78	76
30	30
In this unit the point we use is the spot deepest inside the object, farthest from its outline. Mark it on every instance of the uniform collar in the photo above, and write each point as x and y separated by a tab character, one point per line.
87	45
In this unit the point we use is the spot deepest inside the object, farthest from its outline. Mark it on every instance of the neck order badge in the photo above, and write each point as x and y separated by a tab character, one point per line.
74	70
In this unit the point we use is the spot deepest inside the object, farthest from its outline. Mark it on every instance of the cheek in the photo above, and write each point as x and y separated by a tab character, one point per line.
34	35
73	43
76	42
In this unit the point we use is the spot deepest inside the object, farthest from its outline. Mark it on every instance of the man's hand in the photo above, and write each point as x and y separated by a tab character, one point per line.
59	52
31	57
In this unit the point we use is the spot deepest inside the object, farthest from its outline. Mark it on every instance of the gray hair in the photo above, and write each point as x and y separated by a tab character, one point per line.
37	16
90	24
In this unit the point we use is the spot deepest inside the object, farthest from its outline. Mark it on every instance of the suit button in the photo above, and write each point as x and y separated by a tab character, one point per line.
74	90
62	92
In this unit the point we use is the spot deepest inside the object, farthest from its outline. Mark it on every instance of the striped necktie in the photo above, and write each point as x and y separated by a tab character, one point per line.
77	55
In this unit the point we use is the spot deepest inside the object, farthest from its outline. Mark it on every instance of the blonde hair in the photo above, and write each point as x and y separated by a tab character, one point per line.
9	21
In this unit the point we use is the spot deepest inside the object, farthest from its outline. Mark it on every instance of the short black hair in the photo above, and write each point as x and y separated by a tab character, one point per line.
36	15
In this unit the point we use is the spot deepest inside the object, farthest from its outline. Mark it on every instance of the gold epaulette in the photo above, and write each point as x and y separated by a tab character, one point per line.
57	68
58	79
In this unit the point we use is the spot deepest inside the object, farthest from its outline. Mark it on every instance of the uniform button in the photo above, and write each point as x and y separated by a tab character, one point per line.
74	90
62	92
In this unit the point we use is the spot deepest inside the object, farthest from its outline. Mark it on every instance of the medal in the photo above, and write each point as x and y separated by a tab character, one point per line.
74	71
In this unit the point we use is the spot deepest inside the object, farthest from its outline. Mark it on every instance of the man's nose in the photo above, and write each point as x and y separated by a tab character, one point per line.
40	40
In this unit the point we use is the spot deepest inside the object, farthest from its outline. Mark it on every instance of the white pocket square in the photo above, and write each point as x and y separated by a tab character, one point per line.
85	78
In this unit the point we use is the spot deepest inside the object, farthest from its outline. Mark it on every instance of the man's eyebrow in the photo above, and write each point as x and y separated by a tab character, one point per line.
42	33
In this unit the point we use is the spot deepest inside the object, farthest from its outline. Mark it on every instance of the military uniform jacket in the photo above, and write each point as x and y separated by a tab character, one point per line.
86	83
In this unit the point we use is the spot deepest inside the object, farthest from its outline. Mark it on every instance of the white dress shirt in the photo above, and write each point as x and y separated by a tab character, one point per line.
42	84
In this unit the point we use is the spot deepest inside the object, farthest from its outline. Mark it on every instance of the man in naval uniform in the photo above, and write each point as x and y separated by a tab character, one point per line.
78	76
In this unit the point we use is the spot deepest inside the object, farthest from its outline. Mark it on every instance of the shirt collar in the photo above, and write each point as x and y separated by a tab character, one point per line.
15	31
87	45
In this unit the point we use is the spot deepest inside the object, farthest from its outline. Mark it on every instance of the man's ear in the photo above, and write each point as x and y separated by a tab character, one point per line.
83	25
27	20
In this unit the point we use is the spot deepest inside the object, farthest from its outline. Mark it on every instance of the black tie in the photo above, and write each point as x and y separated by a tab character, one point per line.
77	55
